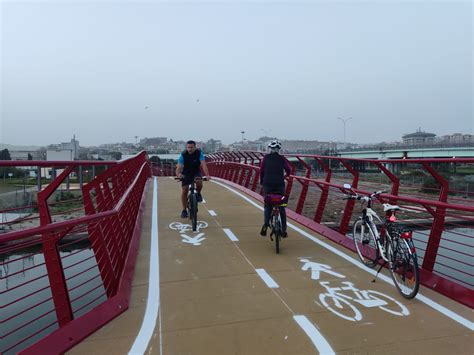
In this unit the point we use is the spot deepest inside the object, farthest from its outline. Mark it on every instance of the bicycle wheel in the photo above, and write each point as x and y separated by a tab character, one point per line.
193	210
365	243
404	267
277	231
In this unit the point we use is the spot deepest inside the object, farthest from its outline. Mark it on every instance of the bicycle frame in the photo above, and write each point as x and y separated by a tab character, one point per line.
370	217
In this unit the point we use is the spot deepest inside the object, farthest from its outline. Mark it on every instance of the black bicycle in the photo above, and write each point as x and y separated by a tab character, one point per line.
193	200
276	227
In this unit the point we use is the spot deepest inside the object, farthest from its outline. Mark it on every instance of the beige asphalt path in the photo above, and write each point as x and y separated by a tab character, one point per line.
214	302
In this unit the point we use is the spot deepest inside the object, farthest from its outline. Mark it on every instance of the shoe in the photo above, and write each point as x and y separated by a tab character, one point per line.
284	234
199	197
184	214
263	231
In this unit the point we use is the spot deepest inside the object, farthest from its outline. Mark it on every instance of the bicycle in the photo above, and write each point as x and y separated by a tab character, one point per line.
338	301
276	227
193	200
394	244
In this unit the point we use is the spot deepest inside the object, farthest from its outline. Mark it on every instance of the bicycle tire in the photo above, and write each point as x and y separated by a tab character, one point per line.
193	210
404	267
277	232
365	243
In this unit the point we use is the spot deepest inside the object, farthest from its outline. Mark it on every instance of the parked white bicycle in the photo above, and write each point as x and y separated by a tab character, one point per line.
338	301
376	238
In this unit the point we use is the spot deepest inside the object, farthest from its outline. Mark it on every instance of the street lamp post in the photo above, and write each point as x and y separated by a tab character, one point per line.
243	132
344	121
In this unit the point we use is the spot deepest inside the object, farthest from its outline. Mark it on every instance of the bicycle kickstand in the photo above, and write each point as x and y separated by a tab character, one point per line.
378	271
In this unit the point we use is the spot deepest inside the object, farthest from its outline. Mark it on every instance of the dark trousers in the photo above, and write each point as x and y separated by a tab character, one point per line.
277	189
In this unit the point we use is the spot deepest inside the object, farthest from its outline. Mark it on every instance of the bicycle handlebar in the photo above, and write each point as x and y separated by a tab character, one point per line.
204	178
356	196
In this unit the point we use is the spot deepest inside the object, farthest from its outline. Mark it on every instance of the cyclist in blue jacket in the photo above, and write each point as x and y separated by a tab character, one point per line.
189	166
272	169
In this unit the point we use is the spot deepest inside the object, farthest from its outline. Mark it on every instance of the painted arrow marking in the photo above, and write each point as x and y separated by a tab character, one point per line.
317	268
193	240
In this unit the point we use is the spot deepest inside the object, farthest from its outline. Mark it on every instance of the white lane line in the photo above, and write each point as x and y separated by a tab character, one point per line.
316	337
153	302
267	278
212	213
429	302
230	235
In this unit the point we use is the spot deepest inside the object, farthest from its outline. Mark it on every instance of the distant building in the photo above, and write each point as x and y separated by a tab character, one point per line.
457	138
24	154
419	138
213	145
72	146
60	155
56	155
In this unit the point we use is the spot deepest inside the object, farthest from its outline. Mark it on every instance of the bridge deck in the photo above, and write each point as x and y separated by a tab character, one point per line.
213	301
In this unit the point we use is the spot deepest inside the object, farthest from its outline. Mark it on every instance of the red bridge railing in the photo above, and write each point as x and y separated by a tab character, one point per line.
436	196
53	274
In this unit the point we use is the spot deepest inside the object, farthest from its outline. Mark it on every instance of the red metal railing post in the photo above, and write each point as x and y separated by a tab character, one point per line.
346	217
438	220
318	215
250	171
305	186
52	259
243	169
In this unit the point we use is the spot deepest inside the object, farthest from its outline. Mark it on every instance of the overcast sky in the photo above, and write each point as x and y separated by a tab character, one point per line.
108	71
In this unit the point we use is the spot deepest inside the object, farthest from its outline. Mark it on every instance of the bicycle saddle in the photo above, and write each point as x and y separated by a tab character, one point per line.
389	207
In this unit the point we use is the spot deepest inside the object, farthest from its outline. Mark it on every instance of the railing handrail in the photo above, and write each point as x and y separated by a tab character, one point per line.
433	203
367	160
56	163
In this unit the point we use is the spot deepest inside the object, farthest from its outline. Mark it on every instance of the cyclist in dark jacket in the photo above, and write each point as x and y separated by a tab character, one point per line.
189	167
272	169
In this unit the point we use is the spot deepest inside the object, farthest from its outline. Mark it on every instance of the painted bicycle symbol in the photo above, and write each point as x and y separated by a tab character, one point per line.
340	304
183	228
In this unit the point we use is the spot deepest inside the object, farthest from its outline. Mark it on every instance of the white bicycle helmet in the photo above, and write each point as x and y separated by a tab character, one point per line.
274	144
